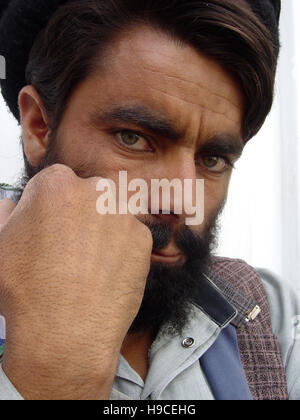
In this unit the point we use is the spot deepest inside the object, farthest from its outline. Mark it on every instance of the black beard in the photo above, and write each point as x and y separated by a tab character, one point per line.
170	289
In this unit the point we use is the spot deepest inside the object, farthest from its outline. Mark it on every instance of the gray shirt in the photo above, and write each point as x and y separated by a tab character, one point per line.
175	372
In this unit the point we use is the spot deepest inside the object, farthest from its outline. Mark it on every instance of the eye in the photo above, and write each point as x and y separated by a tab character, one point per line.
133	140
216	163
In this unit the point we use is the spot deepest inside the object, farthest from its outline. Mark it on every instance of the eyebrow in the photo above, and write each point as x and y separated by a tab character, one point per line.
157	124
223	144
142	117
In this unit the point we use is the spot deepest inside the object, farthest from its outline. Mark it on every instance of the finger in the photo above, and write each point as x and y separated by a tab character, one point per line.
7	206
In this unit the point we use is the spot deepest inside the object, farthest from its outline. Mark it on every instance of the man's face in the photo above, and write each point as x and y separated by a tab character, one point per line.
158	110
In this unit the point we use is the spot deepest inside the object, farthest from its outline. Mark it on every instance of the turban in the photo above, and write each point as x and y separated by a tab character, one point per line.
22	20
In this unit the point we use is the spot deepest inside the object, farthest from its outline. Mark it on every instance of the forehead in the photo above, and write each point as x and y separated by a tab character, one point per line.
145	67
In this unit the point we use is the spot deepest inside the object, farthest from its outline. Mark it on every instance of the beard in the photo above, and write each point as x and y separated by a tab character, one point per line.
170	289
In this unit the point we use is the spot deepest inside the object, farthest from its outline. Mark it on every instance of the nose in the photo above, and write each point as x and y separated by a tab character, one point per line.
167	199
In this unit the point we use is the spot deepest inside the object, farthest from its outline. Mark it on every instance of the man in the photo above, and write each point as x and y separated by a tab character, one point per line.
126	306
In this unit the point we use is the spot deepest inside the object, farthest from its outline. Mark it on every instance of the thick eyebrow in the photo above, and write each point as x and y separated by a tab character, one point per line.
223	144
141	117
158	125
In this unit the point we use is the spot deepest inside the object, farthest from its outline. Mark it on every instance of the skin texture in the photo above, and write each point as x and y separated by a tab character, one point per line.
144	70
6	208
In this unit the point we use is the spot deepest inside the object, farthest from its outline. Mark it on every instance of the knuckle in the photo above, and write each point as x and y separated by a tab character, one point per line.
137	232
52	187
53	179
145	235
60	173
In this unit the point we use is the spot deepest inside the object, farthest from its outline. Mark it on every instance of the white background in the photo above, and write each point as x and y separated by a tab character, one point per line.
261	223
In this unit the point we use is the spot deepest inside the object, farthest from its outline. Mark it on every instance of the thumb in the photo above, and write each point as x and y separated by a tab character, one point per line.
7	206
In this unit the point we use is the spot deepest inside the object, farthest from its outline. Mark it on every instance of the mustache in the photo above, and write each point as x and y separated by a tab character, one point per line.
193	245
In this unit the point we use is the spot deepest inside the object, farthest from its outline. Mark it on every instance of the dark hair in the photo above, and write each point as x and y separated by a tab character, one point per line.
67	50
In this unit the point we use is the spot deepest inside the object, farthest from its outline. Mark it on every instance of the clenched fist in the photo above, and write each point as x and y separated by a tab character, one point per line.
71	284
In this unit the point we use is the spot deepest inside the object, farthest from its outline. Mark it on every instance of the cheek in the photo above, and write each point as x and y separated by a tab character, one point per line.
88	153
215	194
214	200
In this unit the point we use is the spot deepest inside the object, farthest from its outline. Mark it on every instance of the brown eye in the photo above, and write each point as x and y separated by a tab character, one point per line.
133	141
130	139
215	163
210	162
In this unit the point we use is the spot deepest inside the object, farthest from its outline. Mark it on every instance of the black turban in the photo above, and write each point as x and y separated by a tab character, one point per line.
22	20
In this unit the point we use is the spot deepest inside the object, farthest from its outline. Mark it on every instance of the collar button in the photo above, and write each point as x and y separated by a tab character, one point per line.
188	342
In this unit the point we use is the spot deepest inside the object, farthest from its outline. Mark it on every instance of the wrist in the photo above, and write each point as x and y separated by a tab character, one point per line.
45	385
37	378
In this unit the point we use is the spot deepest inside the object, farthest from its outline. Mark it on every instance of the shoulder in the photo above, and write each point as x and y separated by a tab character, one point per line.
246	279
284	303
281	300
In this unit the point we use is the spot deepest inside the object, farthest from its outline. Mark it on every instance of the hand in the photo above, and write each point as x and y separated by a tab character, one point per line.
71	284
7	206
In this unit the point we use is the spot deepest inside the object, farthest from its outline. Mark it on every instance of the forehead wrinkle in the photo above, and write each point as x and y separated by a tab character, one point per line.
138	70
145	60
223	114
197	84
